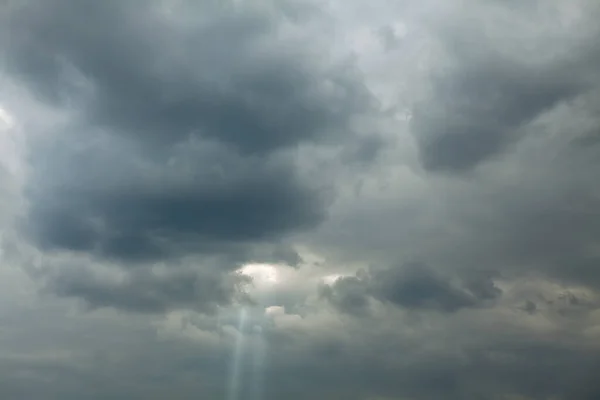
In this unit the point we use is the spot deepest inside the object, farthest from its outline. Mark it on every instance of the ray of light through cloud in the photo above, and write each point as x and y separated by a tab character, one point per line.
237	361
251	346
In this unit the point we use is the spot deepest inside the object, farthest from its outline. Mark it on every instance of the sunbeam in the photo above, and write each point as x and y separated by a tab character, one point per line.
236	369
264	277
259	352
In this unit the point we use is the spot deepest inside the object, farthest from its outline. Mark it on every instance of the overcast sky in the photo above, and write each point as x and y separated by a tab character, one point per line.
298	199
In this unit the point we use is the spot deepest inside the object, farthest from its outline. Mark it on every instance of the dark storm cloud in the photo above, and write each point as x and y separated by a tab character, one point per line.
153	91
149	292
417	286
161	79
182	124
412	286
150	196
349	294
477	113
132	215
130	208
479	104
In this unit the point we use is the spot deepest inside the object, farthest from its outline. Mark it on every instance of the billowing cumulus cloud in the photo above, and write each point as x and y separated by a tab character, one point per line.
171	146
225	199
124	205
159	76
183	133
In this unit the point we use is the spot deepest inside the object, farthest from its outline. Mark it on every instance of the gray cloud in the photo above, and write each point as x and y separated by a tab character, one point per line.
149	292
486	92
477	110
412	286
417	286
181	140
132	208
349	294
177	139
478	353
156	79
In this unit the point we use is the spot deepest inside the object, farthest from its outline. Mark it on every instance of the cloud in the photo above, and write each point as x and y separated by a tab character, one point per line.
486	90
120	205
149	291
416	286
476	110
489	352
349	294
161	149
156	79
207	123
412	286
181	136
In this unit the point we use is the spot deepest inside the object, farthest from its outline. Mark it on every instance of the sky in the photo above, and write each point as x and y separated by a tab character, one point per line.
299	199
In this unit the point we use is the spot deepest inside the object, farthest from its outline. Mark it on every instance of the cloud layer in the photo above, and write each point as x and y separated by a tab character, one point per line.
294	199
